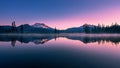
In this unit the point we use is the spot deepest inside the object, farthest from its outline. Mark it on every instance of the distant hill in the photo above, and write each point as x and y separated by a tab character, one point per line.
82	29
36	28
87	28
5	29
26	28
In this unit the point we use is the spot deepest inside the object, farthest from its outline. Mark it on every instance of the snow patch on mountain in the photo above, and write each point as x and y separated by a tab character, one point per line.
40	25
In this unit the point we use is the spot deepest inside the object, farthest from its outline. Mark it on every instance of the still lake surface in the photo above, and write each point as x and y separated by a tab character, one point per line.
60	51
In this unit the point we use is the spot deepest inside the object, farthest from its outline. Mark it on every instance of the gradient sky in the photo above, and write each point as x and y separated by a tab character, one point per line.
60	13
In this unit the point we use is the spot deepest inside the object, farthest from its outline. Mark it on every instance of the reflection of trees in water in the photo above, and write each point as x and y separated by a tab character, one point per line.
13	42
100	40
43	39
26	39
21	39
107	41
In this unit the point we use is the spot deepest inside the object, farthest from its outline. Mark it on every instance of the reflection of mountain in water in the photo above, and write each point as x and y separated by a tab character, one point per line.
25	39
41	39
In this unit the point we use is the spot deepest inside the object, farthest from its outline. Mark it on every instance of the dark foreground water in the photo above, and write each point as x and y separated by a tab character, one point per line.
60	51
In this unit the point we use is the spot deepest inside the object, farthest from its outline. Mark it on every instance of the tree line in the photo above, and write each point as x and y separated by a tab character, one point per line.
114	28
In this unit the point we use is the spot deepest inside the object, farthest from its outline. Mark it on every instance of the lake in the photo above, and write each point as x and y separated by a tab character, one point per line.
59	50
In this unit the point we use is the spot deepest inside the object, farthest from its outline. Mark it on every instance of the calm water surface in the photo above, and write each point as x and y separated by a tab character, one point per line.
60	51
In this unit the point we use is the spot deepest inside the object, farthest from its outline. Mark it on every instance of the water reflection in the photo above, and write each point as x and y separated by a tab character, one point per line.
100	40
25	39
41	39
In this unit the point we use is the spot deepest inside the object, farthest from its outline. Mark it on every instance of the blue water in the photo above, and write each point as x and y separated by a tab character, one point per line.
48	51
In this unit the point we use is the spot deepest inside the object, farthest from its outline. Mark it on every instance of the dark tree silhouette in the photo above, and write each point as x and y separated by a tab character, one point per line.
55	30
14	29
22	29
86	29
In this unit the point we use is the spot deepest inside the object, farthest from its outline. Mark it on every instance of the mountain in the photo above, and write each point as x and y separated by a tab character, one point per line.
42	28
26	28
36	28
82	29
40	25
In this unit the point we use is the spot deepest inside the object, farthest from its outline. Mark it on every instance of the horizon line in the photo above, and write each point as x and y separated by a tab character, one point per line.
64	28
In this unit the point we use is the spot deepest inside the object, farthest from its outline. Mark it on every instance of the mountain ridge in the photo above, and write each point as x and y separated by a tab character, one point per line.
42	28
40	25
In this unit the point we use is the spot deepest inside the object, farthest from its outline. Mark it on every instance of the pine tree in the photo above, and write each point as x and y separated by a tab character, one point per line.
14	29
55	30
22	28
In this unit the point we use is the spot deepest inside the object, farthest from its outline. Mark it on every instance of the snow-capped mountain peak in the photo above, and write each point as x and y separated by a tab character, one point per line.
40	25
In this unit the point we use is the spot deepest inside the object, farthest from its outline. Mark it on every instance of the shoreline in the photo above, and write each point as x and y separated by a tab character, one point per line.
63	34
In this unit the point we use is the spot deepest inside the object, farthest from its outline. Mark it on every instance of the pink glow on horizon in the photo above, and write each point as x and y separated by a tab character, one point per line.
107	17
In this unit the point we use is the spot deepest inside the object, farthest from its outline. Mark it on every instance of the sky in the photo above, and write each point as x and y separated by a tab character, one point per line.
61	14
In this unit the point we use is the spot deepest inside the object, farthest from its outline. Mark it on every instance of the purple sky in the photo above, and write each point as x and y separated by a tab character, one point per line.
60	13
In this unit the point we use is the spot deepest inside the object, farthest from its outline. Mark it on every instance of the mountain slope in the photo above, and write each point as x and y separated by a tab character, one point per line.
35	29
82	29
40	25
